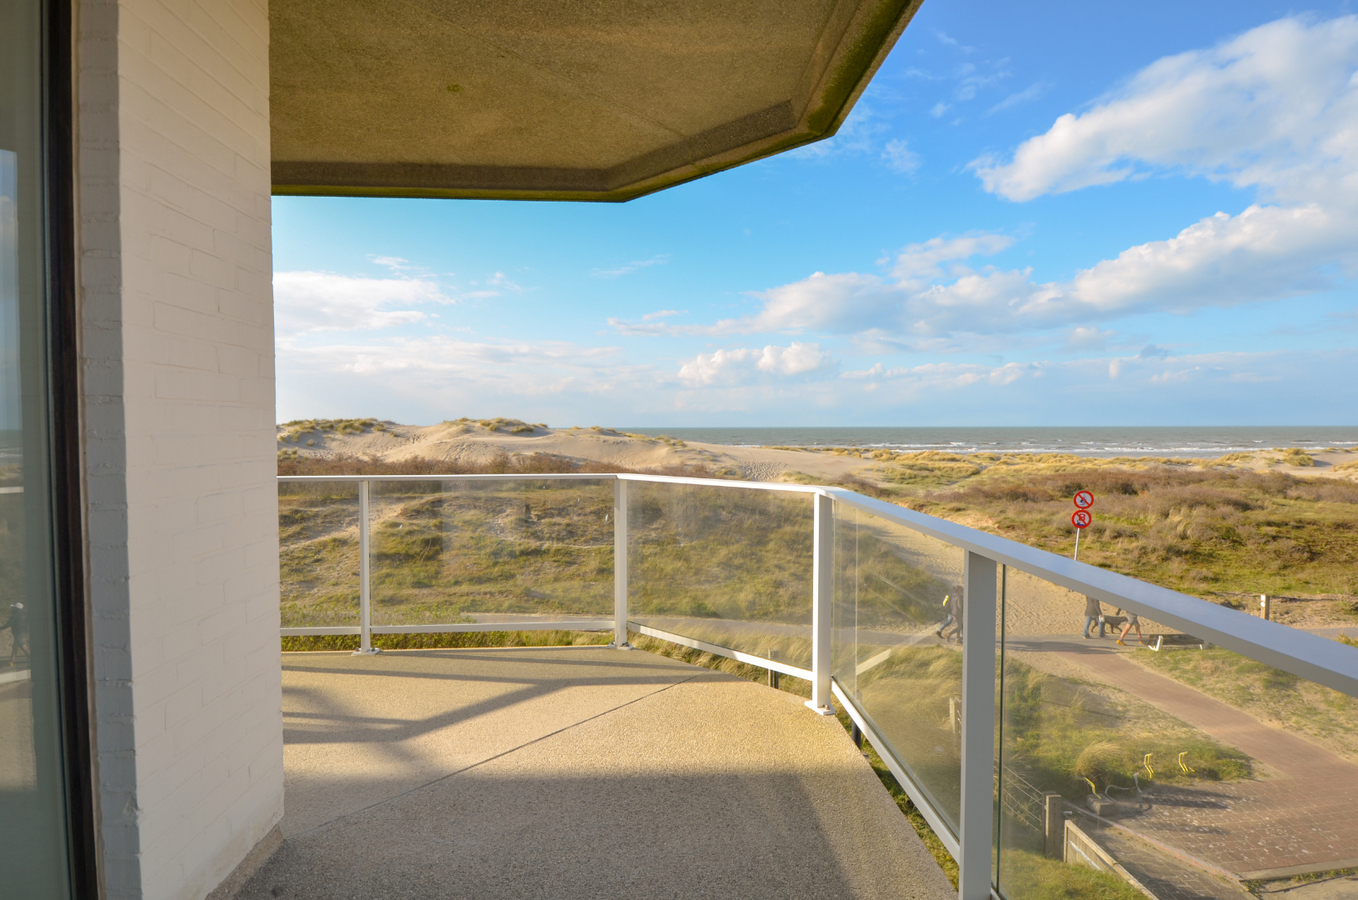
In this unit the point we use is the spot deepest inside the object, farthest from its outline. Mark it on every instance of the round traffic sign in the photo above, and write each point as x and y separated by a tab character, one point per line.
1083	499
1081	518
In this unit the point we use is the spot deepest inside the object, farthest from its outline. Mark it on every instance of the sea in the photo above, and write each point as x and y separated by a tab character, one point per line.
1187	442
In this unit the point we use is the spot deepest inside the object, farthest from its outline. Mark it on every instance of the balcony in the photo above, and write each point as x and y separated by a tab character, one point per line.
1038	757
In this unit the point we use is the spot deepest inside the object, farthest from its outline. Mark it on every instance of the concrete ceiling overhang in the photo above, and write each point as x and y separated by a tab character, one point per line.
553	99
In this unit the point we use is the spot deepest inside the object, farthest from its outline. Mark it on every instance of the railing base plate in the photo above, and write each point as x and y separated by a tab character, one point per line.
820	710
371	652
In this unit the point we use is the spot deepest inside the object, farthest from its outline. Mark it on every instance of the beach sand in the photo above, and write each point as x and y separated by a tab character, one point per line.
472	443
468	441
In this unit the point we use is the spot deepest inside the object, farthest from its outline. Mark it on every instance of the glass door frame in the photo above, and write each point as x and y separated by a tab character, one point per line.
66	439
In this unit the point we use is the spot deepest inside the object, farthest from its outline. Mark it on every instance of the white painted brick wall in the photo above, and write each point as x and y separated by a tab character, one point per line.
177	322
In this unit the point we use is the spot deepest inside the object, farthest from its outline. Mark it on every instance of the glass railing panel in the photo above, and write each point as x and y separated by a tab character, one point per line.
728	566
318	553
487	551
844	658
1191	767
897	646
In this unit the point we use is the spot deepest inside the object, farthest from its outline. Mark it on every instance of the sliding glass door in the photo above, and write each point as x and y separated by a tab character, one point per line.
35	731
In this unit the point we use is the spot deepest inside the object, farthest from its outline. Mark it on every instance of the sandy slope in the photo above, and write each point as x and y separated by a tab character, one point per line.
469	442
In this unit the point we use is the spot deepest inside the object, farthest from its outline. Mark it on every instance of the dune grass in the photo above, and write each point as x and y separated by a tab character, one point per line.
1058	732
1266	693
1196	530
449	640
1031	876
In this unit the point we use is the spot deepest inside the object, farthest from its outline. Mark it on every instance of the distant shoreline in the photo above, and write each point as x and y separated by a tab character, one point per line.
1094	442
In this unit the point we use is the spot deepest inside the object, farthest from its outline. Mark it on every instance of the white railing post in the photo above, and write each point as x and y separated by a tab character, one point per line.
620	564
365	623
976	833
822	586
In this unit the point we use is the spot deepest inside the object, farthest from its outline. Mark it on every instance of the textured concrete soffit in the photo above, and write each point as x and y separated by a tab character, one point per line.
553	100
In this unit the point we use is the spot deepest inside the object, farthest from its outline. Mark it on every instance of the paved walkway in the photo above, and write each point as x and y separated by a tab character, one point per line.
1303	816
1163	875
573	772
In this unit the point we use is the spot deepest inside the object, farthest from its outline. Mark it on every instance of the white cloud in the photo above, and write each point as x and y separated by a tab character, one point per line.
618	271
306	302
900	158
440	363
948	41
852	303
1086	338
1276	107
917	262
743	364
1032	92
943	375
939	109
493	286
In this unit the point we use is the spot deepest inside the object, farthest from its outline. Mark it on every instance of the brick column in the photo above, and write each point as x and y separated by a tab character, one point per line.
177	331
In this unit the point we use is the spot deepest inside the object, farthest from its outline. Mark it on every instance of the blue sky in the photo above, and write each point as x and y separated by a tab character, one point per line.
1037	214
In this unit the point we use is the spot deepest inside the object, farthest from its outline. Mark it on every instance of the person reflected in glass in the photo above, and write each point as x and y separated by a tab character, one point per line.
954	618
948	618
18	630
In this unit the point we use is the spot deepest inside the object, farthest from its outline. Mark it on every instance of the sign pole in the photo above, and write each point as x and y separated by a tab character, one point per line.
1081	517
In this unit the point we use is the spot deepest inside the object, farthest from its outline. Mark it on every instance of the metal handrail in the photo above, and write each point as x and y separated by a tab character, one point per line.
1300	653
1308	656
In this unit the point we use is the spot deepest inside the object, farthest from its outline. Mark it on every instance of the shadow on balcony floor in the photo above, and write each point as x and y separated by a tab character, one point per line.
571	772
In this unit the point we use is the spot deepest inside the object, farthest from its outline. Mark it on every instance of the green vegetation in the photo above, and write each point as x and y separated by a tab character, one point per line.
1295	456
443	550
450	640
1031	876
1304	878
1266	693
718	553
318	553
299	430
1059	731
1197	530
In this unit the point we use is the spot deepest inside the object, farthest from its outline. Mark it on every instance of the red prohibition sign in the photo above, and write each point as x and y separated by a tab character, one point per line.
1081	518
1083	499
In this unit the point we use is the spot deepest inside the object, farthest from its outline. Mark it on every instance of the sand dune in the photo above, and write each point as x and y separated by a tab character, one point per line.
472	442
479	441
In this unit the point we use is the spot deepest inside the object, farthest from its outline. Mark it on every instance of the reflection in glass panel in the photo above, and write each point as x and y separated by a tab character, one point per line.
728	566
898	642
318	553
33	861
491	550
1191	768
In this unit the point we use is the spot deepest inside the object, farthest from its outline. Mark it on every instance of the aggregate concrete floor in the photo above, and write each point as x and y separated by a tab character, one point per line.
573	772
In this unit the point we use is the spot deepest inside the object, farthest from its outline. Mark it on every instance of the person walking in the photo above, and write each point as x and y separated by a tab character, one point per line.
1132	622
948	617
1093	613
18	631
956	619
